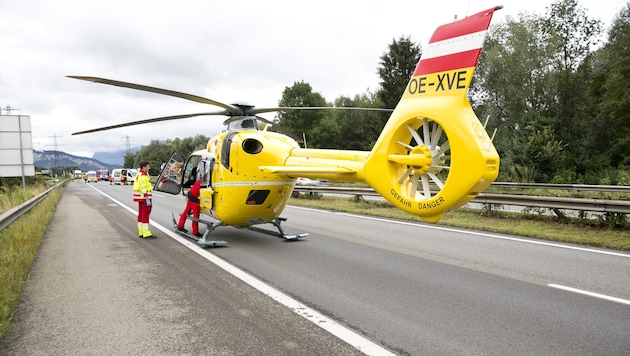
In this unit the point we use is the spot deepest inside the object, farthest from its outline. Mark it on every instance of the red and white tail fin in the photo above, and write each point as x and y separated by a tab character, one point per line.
448	62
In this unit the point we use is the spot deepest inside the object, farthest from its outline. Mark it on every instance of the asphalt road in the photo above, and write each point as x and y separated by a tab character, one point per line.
97	289
413	289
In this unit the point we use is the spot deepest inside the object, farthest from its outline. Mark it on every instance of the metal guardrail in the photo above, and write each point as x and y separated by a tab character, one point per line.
12	214
578	187
579	204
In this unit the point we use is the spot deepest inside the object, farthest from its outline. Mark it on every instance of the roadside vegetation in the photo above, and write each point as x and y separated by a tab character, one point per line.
19	242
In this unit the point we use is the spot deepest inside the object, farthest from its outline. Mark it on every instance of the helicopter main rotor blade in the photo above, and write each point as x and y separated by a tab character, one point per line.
230	108
234	110
255	111
147	121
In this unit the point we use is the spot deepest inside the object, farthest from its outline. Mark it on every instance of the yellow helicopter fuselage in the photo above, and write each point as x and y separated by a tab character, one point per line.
239	193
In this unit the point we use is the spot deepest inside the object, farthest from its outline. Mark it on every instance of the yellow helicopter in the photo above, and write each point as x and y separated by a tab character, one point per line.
433	155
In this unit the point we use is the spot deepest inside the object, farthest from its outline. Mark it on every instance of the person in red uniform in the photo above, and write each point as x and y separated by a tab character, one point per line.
142	194
192	205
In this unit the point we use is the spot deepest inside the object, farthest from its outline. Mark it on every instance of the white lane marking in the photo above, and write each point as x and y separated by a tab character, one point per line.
603	252
592	294
350	337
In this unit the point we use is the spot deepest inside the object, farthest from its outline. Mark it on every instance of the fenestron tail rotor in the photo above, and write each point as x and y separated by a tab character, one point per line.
422	178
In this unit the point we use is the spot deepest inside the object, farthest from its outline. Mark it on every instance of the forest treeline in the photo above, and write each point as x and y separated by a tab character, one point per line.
556	87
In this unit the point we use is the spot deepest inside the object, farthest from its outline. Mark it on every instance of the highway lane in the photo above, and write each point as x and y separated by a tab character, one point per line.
419	289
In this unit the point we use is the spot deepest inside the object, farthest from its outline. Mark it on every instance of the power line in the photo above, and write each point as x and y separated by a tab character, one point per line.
127	144
56	148
8	110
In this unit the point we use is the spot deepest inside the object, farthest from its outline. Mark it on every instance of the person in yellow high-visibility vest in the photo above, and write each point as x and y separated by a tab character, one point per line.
142	193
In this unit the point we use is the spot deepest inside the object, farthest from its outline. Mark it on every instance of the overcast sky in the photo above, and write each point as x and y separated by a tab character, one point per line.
228	51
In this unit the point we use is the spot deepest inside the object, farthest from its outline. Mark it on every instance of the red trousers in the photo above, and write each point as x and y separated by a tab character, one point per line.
143	212
194	207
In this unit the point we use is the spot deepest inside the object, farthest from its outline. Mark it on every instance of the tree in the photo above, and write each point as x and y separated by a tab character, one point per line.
316	125
396	68
129	160
516	98
188	145
155	153
570	35
609	133
359	129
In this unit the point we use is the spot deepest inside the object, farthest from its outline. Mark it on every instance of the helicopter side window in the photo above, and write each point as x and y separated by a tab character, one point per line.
204	172
190	173
235	125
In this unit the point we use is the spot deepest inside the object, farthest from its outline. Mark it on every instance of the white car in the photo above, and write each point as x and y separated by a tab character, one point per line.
307	181
90	176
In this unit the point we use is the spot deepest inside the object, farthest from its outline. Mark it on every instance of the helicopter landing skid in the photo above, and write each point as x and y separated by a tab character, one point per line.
203	240
280	232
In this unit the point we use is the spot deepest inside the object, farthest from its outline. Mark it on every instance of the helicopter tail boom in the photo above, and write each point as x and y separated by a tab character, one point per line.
323	164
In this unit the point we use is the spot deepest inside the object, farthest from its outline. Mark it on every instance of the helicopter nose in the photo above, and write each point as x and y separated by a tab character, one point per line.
252	146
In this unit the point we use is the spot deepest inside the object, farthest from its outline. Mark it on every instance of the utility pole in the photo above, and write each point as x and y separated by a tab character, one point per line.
127	144
55	148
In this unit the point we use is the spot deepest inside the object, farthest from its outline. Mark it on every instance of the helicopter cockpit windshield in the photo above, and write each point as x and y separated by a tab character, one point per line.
245	123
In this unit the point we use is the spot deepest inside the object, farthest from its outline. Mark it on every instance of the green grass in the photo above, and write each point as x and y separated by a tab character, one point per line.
19	243
597	233
10	197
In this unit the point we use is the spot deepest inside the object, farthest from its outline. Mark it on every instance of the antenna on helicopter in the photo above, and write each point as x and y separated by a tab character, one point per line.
493	133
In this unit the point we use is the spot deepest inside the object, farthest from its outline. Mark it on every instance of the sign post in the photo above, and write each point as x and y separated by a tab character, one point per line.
16	147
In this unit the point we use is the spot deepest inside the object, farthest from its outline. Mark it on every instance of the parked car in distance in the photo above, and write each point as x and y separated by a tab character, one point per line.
102	174
123	176
90	176
307	181
115	177
131	175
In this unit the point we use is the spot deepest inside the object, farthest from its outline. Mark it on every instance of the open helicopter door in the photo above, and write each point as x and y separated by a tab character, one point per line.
193	170
204	164
170	178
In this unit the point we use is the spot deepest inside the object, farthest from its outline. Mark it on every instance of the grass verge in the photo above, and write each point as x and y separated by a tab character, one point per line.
19	243
590	232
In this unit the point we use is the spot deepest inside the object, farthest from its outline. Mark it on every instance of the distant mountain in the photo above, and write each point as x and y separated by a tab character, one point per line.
57	158
113	158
